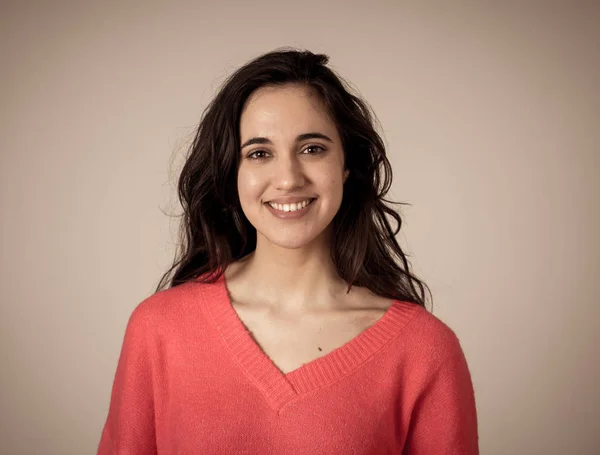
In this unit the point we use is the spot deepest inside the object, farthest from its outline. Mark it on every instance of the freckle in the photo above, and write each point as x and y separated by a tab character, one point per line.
320	349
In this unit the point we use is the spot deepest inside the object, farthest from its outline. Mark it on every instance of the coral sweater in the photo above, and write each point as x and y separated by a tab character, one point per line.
191	380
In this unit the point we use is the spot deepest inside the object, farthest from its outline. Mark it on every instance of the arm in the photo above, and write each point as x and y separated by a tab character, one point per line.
129	427
444	420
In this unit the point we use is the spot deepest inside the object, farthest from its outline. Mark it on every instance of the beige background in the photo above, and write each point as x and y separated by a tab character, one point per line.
491	112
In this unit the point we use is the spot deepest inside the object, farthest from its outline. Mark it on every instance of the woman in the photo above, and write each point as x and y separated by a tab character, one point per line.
292	323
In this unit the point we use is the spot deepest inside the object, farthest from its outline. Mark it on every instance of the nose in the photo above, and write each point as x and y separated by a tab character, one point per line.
288	174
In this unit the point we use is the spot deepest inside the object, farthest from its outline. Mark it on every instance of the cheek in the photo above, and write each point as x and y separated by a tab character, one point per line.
333	175
338	187
333	181
248	183
332	189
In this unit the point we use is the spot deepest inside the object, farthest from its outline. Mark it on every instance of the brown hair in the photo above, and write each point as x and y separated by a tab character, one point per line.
214	229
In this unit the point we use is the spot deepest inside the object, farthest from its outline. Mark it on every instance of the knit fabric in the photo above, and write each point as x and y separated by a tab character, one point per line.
191	380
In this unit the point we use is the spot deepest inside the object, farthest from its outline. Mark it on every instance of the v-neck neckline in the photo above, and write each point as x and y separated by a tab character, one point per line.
280	388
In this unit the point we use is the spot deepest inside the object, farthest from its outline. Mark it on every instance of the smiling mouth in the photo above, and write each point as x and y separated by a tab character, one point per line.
292	207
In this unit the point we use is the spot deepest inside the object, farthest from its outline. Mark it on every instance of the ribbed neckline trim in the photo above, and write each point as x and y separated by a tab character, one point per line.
279	388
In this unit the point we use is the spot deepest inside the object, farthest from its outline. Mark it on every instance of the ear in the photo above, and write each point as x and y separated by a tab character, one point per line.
346	173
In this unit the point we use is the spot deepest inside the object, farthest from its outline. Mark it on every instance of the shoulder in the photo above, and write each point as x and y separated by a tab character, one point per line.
171	306
429	338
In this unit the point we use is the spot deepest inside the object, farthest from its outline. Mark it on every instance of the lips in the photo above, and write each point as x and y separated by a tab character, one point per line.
290	207
294	210
290	199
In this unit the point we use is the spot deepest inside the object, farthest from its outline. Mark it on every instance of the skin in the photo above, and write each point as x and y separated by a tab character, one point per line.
287	292
291	265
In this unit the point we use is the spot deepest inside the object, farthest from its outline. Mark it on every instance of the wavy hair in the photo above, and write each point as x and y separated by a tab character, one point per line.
214	230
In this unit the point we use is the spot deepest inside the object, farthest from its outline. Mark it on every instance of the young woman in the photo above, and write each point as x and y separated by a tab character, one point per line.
291	322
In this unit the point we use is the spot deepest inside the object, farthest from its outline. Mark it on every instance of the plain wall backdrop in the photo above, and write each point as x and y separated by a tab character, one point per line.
491	114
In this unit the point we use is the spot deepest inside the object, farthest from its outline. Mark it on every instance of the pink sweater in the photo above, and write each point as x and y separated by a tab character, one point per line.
191	380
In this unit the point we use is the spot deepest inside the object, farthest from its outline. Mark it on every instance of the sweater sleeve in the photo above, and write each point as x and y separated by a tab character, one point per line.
129	427
444	420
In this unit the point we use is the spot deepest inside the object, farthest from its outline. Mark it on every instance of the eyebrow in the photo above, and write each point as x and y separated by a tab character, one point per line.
300	138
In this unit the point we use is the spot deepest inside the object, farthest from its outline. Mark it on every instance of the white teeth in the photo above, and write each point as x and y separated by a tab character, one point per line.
290	207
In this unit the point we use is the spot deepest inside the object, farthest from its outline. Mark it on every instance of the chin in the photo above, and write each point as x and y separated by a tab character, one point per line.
290	244
289	241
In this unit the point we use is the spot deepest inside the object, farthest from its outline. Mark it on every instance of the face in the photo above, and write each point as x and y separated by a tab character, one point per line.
291	174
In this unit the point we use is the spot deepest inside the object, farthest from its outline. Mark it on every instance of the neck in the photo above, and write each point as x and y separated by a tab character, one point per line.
292	280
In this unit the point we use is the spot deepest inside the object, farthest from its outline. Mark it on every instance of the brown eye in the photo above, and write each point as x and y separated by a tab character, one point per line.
257	155
316	149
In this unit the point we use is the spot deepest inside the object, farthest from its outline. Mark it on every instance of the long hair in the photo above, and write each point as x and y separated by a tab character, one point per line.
214	230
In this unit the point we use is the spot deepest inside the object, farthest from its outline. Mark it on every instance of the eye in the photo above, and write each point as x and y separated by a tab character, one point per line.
316	150
257	155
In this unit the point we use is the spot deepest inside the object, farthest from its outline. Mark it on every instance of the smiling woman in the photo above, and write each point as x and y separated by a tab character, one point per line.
290	321
306	168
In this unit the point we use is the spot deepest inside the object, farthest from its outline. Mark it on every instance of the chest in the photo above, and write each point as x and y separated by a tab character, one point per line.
291	342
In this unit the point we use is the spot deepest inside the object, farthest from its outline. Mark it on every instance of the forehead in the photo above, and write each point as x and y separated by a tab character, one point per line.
291	109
